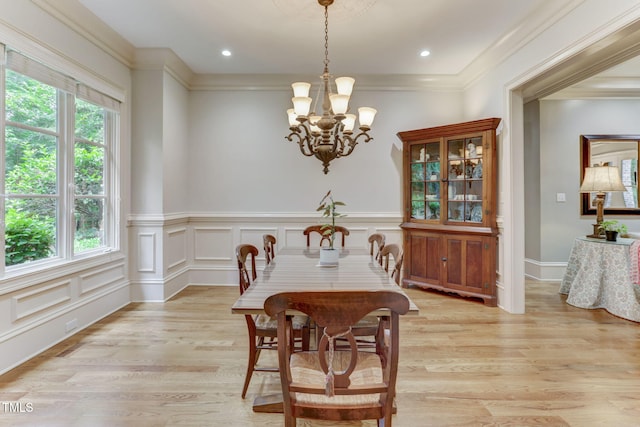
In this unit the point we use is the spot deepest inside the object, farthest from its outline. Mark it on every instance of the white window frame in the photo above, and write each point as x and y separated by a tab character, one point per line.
69	90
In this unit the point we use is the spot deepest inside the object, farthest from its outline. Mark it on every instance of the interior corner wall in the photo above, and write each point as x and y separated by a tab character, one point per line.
175	146
147	142
158	233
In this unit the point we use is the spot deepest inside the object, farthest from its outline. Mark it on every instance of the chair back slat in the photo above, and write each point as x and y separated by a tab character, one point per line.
378	240
242	252
392	250
269	243
323	237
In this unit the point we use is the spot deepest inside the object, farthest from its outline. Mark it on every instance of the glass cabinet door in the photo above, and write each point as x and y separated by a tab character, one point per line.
425	181
464	180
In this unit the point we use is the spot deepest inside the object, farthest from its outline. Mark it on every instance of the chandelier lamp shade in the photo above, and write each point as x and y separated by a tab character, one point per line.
328	134
601	180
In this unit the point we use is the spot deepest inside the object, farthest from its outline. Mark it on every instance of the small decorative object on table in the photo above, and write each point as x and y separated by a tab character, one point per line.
612	228
330	255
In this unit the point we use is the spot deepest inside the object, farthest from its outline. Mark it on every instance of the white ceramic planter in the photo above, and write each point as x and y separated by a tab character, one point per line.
329	256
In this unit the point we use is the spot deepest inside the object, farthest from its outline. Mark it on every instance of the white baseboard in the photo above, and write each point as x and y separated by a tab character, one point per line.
544	271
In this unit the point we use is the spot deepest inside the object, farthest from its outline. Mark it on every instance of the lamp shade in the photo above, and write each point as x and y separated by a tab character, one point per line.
344	85
366	116
349	122
301	105
292	117
301	89
339	103
601	179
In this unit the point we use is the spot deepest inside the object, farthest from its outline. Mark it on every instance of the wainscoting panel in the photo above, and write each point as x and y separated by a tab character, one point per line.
212	243
40	300
100	278
146	253
176	249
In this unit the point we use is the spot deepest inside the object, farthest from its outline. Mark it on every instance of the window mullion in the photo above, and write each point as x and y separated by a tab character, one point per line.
66	173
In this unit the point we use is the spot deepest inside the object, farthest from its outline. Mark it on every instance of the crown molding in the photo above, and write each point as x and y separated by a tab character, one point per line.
77	17
547	14
601	87
393	82
614	42
165	59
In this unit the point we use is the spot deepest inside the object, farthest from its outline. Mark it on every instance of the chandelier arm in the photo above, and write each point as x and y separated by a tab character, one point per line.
339	142
309	139
353	141
295	132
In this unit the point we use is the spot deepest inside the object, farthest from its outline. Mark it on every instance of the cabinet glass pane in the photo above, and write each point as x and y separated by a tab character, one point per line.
473	148
433	210
417	153
426	180
417	171
417	209
455	149
417	191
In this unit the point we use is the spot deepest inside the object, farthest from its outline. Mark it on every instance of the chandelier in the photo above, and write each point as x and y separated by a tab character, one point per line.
328	135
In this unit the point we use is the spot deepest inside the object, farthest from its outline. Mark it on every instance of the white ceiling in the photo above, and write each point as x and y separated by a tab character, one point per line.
365	36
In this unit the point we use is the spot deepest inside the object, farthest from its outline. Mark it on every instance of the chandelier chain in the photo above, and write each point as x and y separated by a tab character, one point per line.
326	38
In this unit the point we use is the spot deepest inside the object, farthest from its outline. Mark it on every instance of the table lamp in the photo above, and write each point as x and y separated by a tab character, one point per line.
599	180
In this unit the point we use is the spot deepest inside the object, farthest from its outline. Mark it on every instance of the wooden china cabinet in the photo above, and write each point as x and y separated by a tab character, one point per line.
449	220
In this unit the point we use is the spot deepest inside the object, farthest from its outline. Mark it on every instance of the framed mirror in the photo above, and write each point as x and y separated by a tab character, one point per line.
612	150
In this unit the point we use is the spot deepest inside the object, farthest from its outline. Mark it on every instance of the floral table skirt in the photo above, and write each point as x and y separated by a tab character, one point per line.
599	276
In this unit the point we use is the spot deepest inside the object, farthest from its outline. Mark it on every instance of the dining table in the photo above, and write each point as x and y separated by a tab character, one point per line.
299	269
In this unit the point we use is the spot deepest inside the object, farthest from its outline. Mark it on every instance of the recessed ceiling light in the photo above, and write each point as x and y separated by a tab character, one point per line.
226	52
425	53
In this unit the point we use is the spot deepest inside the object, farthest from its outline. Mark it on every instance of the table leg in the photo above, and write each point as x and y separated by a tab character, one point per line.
270	403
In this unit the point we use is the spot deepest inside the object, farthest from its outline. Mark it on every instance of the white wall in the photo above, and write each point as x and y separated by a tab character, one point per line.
561	124
241	162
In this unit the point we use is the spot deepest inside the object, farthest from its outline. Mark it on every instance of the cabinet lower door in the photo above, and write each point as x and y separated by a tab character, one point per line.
425	263
469	263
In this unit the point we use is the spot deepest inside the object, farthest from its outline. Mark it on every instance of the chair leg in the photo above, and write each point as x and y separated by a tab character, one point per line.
289	421
251	363
306	333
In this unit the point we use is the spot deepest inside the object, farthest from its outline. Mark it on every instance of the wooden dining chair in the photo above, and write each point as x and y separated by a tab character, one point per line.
318	229
377	239
262	328
269	243
338	385
392	250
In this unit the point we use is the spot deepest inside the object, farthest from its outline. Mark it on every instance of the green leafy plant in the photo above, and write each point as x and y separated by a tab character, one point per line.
26	238
328	208
613	225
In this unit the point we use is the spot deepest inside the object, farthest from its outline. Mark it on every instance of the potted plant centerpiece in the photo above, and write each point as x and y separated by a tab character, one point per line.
612	228
329	255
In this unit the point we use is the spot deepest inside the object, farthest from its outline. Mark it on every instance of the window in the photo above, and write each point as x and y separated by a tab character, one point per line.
59	136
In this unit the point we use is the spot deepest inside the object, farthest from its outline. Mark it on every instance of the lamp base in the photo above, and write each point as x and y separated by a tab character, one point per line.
597	232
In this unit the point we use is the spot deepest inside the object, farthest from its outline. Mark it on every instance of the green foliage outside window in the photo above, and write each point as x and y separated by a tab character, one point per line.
31	171
27	238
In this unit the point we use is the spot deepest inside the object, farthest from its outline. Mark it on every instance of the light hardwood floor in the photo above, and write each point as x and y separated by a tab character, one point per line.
182	363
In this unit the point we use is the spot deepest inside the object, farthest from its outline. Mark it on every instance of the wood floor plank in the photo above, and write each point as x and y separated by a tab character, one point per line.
182	363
